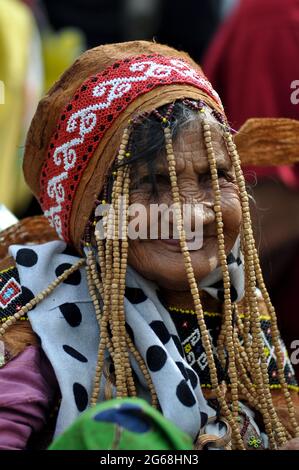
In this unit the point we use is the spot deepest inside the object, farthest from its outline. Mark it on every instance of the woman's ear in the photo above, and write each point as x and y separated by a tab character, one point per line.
268	142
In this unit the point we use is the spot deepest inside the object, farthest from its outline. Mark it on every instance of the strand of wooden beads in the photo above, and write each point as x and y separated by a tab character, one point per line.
256	364
92	281
118	346
92	267
246	329
277	345
242	370
250	293
194	289
258	370
245	322
222	355
96	288
40	297
244	357
104	322
278	428
123	266
243	364
105	343
229	341
275	430
143	368
122	280
101	254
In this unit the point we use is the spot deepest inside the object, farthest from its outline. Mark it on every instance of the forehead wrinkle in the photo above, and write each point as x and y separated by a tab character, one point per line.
190	147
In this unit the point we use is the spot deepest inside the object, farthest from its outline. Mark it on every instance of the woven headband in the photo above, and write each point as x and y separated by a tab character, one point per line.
93	109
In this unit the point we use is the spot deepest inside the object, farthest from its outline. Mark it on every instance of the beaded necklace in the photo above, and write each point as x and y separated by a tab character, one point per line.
186	325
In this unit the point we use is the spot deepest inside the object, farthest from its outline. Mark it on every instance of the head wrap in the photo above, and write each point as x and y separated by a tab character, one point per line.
76	132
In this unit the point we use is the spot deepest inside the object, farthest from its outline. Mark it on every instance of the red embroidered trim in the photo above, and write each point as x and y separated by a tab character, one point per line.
92	110
9	292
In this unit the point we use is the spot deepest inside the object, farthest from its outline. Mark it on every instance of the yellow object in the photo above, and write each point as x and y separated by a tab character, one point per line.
24	74
18	49
59	51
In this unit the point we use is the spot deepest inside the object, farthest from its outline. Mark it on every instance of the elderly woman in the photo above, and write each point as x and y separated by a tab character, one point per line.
186	327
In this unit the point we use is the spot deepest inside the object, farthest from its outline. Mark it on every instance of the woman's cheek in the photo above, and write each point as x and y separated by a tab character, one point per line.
231	208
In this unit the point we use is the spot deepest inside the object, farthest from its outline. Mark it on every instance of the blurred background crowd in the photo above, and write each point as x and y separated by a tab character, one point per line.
248	49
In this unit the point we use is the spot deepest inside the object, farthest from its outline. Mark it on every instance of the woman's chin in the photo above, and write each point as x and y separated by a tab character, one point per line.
170	272
163	262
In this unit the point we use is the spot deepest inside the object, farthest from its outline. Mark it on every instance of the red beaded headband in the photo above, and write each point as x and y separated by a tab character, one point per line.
94	107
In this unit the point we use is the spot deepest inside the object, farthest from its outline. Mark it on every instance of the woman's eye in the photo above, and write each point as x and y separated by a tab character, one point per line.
162	179
144	180
228	175
222	174
137	182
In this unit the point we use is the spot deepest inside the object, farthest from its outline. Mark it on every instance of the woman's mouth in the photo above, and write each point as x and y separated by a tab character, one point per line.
171	241
193	244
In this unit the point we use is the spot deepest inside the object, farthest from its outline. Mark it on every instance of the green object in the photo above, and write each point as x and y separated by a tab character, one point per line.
123	424
60	50
254	442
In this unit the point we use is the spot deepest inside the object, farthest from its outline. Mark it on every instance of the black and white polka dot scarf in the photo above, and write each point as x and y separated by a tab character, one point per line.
66	324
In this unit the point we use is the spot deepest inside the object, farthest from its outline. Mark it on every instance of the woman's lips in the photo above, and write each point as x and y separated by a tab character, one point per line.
171	241
174	242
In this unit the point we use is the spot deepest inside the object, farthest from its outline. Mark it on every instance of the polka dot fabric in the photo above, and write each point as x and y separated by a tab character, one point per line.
91	112
66	324
63	321
66	318
181	399
26	257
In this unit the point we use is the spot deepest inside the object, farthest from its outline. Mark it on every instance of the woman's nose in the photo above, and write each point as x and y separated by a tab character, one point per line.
200	214
208	214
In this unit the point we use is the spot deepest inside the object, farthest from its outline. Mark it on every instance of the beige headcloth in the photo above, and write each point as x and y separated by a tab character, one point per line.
45	120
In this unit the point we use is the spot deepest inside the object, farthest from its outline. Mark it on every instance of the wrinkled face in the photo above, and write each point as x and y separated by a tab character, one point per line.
161	260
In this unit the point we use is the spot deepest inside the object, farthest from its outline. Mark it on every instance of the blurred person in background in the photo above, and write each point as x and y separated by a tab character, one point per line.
21	76
104	21
32	58
227	6
99	20
191	28
253	62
